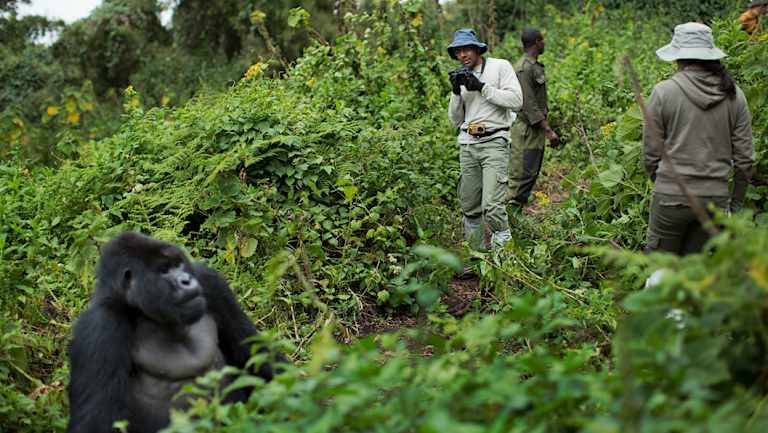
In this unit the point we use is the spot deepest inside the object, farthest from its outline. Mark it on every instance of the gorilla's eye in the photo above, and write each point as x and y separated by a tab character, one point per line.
127	275
168	266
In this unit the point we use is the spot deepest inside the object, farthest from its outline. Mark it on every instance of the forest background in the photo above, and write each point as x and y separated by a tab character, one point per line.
302	149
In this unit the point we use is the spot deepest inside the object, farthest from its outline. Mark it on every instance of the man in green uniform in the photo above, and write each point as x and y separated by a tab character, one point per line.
529	133
485	92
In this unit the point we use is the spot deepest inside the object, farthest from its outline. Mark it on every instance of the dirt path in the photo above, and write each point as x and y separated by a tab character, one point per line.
465	292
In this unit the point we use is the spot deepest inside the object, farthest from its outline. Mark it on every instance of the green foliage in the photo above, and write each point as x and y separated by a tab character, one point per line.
685	360
282	21
510	16
746	62
11	5
691	346
16	32
43	410
109	45
207	26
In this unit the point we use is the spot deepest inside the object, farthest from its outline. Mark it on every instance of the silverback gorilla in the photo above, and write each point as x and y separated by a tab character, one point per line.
156	322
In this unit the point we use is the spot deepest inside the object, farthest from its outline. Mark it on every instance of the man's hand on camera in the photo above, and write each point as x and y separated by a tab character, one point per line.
455	85
474	84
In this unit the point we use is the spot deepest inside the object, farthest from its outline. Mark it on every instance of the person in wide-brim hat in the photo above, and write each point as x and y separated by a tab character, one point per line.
697	132
485	94
691	41
465	38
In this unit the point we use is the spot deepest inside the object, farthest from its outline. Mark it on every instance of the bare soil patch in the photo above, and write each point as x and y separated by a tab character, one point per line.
458	301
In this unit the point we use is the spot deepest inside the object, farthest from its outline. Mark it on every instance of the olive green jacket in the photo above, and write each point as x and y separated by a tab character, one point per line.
706	133
533	81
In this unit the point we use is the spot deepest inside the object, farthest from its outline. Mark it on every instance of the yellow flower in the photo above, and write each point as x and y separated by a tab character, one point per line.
607	128
88	106
164	101
416	21
599	10
542	198
254	71
257	17
73	118
759	273
52	110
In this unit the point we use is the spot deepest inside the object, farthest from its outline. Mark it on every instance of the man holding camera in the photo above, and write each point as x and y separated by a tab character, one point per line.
528	135
485	96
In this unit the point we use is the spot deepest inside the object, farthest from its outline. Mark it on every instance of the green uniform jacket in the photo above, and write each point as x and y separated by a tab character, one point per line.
706	134
530	73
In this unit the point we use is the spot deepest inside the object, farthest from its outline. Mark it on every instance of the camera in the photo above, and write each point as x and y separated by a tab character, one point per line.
461	75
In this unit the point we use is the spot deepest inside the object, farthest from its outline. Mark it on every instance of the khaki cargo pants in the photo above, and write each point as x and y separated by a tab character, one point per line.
483	188
674	228
526	156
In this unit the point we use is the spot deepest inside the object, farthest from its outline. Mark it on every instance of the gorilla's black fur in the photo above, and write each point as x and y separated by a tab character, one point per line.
156	321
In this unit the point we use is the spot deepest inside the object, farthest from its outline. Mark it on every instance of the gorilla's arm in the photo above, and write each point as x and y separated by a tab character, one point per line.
233	324
100	364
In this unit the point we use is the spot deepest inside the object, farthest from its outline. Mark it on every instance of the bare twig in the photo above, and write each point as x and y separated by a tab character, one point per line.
338	10
583	132
440	16
491	25
578	297
315	34
272	47
693	201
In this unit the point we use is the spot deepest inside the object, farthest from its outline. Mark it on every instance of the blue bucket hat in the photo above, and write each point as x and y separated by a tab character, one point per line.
465	38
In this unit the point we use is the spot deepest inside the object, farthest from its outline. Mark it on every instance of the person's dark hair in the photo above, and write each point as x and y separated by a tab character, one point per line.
530	36
727	84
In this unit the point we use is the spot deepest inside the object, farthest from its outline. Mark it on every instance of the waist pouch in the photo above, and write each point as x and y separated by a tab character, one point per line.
484	132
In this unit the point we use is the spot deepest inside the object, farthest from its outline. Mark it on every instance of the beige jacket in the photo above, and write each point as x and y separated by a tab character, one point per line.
494	106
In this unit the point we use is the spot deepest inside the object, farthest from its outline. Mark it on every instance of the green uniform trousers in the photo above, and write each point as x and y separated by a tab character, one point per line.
674	228
483	185
526	156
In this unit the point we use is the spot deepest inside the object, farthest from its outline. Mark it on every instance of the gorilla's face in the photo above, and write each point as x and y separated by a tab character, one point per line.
166	290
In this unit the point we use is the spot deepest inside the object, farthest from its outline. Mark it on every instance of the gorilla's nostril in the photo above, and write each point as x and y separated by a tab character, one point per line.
187	281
